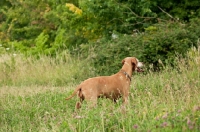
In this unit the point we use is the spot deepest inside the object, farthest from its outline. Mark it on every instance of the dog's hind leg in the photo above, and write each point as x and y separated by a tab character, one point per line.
92	101
78	105
80	95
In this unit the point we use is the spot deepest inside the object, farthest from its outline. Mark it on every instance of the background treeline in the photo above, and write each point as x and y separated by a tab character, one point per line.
101	32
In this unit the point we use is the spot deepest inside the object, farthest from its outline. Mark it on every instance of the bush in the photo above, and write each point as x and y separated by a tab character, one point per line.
104	54
160	43
164	43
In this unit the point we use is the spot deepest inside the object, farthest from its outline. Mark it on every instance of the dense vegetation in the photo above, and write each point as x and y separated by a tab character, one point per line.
112	29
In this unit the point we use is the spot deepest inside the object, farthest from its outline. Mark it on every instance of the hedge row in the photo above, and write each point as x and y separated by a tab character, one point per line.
162	42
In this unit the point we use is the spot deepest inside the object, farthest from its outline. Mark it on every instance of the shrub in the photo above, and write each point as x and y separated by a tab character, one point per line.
160	43
164	43
106	56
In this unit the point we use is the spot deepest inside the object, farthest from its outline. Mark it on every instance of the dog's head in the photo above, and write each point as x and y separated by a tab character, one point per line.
136	64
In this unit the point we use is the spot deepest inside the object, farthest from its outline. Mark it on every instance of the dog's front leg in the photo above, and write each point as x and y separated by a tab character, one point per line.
125	97
125	100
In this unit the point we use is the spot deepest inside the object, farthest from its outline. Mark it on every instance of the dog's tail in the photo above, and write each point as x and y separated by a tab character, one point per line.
74	93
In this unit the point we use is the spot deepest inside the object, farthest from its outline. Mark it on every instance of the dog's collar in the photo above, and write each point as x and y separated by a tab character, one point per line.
126	74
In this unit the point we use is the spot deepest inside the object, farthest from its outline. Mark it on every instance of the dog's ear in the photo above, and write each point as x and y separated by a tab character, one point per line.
134	61
123	61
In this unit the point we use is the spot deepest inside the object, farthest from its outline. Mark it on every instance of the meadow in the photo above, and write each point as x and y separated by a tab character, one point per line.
33	92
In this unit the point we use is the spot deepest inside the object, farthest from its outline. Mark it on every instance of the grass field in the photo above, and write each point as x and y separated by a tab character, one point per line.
165	101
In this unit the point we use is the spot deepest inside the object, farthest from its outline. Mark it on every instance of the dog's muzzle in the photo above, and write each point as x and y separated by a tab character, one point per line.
139	67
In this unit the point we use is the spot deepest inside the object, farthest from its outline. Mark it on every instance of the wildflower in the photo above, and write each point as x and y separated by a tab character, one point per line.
191	127
14	54
7	48
165	116
135	126
189	121
157	118
164	124
114	36
196	108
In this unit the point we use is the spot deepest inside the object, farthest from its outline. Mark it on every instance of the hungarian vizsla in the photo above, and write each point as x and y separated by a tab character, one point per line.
112	87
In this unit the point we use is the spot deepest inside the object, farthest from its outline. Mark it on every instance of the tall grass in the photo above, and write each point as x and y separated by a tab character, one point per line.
24	71
165	101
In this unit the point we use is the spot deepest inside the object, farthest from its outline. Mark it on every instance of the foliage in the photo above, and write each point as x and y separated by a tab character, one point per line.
179	10
158	45
164	43
106	56
39	19
48	26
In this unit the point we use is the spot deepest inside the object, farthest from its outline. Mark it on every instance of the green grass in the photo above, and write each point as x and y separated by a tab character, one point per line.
165	101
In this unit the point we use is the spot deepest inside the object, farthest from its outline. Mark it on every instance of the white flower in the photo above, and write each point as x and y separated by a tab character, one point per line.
114	36
7	48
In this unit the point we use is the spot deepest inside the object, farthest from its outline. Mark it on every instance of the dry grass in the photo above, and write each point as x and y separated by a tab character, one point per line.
31	90
22	71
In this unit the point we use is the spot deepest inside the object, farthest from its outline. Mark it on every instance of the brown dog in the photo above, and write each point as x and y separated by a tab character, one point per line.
112	87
